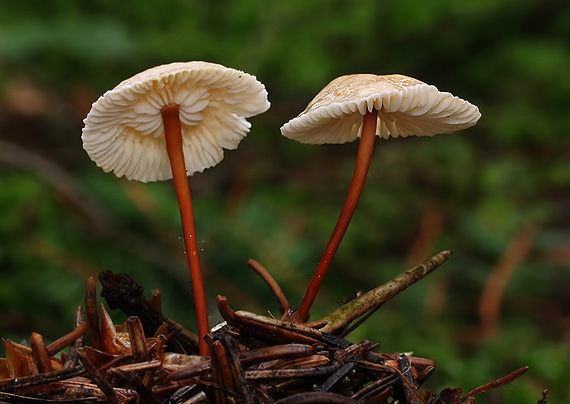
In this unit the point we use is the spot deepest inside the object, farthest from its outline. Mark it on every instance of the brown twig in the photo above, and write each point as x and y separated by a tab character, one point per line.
67	339
71	358
497	383
315	398
99	379
254	359
319	369
246	358
412	392
271	282
278	330
544	398
19	383
376	387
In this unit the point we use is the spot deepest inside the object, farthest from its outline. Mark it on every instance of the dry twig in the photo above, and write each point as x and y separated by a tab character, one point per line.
255	359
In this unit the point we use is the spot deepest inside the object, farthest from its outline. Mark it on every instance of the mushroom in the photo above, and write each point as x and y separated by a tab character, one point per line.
171	121
365	106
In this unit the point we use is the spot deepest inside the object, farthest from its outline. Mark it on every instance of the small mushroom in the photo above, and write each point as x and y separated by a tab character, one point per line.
365	106
171	121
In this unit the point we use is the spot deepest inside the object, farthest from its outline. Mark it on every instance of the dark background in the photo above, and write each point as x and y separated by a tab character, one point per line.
497	195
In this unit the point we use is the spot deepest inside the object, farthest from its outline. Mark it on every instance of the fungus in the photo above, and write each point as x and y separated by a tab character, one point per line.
365	106
172	121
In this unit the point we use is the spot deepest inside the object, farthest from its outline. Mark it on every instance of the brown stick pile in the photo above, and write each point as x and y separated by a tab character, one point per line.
255	359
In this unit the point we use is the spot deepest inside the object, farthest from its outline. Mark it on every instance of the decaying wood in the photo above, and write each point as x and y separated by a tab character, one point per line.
121	292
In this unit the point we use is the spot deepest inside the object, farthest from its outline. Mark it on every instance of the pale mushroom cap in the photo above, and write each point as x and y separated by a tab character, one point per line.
406	107
124	132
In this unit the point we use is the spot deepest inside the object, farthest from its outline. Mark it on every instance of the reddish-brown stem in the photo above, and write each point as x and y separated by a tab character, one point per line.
360	171
173	135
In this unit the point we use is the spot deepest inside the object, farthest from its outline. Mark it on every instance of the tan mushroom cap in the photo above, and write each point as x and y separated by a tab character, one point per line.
406	107
124	132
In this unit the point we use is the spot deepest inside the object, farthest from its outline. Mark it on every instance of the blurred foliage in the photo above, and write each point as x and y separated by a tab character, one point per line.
276	201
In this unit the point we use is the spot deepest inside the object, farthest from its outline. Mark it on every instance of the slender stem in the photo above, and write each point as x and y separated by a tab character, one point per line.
173	135
360	171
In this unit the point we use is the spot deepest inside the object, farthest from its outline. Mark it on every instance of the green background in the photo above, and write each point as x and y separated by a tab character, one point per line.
497	195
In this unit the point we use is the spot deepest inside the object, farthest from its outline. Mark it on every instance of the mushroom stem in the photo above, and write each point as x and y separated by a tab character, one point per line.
173	135
360	171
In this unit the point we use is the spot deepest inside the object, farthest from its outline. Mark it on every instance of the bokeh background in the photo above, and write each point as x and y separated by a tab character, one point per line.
497	195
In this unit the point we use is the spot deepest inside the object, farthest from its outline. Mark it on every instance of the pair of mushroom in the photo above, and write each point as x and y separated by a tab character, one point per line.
174	120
